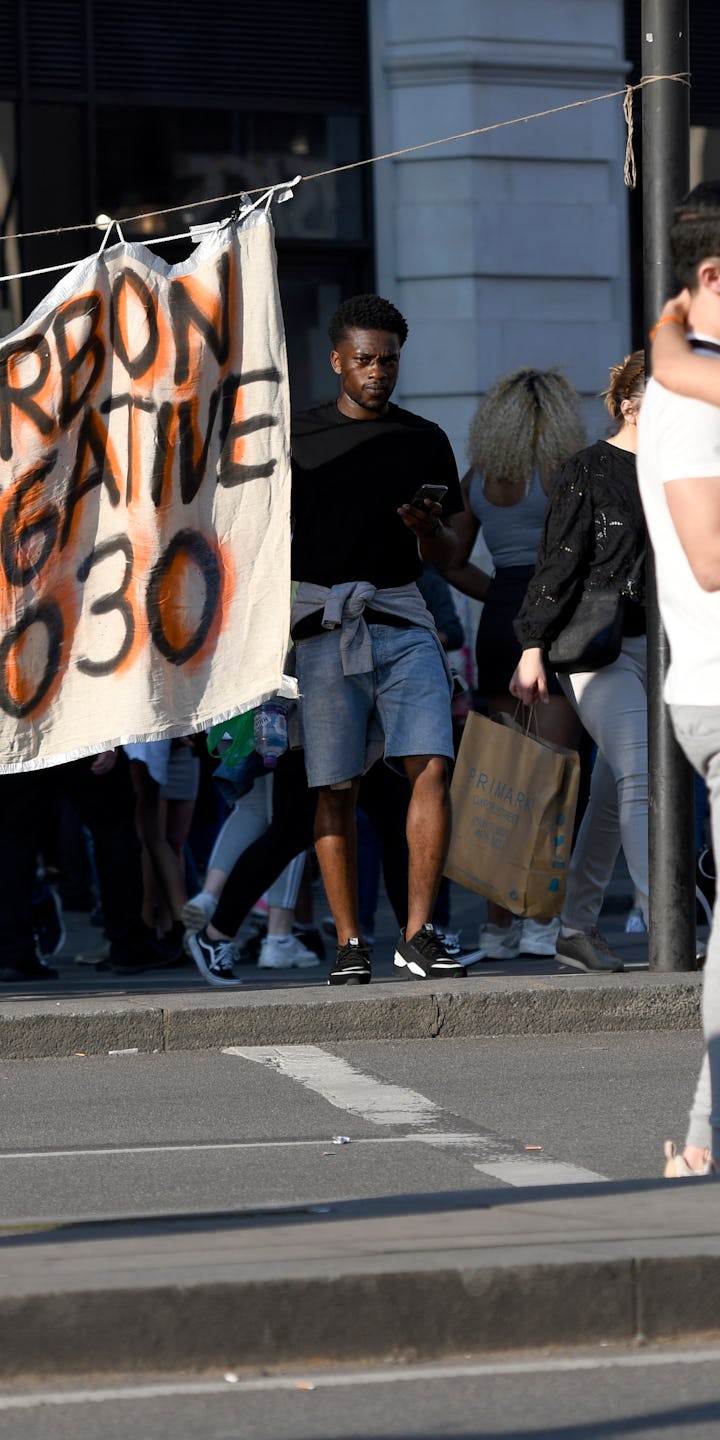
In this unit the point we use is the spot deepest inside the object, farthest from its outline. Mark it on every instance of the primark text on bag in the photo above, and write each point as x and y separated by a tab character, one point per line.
513	808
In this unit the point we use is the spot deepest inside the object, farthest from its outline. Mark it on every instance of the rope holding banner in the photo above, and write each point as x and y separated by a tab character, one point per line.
283	191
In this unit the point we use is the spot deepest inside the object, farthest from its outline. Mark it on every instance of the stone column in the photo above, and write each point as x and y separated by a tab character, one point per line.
508	248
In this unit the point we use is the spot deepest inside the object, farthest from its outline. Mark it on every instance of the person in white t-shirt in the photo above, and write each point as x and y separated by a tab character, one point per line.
679	475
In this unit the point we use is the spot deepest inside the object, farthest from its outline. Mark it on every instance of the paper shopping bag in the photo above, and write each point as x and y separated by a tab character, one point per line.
513	806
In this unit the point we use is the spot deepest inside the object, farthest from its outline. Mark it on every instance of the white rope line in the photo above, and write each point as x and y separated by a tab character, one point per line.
70	264
285	189
627	92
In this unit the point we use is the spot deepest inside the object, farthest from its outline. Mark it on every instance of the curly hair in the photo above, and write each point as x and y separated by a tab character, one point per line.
530	419
367	312
626	382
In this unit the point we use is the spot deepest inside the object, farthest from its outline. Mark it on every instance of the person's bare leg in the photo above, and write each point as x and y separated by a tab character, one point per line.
163	918
428	835
695	1157
214	881
168	878
149	915
280	920
336	850
177	827
304	910
558	722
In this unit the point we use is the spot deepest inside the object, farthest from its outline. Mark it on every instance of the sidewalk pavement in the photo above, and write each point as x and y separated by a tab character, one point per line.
92	1011
395	1279
392	1279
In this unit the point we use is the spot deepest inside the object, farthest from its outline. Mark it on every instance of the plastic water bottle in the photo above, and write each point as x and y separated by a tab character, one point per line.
271	732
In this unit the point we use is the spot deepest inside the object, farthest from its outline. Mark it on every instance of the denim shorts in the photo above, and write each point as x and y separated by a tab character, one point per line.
402	706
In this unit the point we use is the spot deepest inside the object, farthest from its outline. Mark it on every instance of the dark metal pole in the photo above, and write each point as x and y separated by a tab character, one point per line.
666	168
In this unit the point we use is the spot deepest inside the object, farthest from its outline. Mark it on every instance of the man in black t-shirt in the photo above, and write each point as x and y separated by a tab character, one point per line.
372	674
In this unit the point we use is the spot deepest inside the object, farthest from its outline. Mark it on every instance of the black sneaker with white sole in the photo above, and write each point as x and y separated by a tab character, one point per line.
214	959
425	956
352	964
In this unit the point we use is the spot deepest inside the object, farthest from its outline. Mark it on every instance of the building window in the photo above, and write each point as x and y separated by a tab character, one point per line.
192	155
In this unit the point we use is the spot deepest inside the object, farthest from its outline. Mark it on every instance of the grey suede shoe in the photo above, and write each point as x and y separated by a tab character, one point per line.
588	951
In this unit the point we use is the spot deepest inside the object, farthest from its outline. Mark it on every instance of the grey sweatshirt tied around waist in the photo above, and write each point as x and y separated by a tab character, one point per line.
343	606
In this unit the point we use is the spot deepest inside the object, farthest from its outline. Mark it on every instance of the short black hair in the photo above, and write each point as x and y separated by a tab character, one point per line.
695	231
367	312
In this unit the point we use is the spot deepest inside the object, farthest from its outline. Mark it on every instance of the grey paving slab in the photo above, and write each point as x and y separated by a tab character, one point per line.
349	1281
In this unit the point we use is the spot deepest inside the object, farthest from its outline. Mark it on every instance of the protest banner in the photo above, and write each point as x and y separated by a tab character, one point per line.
144	499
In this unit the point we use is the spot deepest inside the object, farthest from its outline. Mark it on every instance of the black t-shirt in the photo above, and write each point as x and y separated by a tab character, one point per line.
349	477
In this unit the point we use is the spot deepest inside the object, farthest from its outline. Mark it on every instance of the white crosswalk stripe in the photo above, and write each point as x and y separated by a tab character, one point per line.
381	1103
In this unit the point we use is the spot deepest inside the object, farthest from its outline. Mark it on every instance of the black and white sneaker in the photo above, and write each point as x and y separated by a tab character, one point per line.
214	959
425	957
352	964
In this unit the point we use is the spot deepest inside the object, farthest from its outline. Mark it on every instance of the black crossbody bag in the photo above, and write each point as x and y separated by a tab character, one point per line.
593	635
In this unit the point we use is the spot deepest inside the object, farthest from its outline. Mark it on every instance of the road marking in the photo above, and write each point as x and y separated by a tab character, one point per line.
375	1101
539	1172
382	1103
436	1138
342	1085
309	1379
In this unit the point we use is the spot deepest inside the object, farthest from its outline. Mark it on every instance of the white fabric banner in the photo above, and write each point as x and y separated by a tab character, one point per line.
144	499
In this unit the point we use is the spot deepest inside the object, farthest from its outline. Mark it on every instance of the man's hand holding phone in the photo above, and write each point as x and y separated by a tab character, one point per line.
423	513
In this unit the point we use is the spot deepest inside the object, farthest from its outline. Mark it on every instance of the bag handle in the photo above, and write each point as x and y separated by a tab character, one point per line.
532	721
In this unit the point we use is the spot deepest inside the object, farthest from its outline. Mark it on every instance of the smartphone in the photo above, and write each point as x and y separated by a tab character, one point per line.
428	492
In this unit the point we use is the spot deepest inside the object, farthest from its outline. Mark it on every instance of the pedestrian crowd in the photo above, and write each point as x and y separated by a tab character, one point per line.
184	854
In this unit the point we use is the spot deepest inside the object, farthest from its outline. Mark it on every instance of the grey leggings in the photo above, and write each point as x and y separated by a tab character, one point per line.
248	819
612	704
697	728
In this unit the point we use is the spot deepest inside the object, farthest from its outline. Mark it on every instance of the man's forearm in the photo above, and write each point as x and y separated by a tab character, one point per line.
440	547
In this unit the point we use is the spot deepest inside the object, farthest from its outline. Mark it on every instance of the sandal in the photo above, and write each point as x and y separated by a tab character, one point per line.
676	1166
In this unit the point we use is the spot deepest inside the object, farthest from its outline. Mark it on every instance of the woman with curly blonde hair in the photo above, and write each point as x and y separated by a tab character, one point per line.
523	430
594	542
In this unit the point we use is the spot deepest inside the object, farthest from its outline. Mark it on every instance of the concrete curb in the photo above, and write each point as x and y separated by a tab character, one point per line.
317	1015
374	1289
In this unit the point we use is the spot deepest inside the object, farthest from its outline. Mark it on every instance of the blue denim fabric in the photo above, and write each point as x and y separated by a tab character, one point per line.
402	707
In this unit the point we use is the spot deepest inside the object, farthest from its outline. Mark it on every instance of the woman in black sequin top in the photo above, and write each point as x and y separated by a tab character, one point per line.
595	538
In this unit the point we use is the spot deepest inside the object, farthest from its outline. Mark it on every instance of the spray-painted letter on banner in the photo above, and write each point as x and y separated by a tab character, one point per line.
144	499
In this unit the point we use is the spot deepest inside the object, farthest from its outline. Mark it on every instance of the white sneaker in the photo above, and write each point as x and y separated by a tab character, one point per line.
199	911
635	925
285	954
456	950
538	937
501	942
451	939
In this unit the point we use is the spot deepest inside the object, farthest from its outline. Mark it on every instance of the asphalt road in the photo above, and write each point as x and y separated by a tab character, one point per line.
652	1394
216	1131
187	1132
